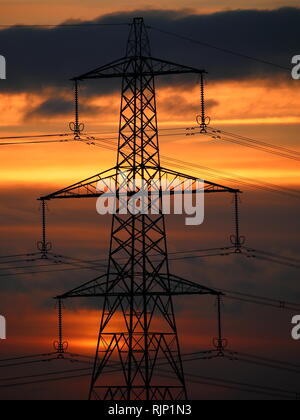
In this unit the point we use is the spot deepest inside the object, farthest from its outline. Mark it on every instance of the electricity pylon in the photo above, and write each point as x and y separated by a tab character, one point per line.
138	327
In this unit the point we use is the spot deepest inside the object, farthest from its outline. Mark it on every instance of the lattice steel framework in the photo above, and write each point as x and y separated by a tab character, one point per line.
138	287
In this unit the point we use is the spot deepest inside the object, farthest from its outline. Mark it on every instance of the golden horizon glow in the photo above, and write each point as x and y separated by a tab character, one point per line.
253	104
55	12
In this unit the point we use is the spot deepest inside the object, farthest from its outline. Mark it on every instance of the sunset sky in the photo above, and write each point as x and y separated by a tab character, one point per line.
44	11
243	96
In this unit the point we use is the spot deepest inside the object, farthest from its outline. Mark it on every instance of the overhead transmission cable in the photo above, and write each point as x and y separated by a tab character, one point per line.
62	25
36	142
255	141
251	145
220	382
218	48
258	185
279	303
262	185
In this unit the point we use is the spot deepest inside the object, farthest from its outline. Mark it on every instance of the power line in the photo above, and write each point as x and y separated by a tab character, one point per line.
61	25
96	264
171	351
173	34
63	359
260	148
275	261
18	261
53	264
262	143
229	294
28	362
241	386
259	300
225	50
268	365
36	136
44	271
223	385
189	257
259	185
276	303
212	130
19	255
274	361
272	254
63	372
187	357
219	382
36	142
220	174
34	356
242	140
26	357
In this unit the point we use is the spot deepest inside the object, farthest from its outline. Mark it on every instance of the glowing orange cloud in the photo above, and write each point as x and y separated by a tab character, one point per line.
266	111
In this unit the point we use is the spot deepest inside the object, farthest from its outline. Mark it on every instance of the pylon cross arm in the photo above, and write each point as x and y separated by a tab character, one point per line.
88	187
150	67
165	285
209	186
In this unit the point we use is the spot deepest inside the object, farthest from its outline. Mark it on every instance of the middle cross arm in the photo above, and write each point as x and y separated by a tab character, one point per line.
150	67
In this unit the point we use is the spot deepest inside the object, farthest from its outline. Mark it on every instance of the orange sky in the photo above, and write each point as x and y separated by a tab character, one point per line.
268	110
45	11
255	108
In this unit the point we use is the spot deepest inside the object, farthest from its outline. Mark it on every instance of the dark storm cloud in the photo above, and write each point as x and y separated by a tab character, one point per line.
51	107
180	106
38	58
54	107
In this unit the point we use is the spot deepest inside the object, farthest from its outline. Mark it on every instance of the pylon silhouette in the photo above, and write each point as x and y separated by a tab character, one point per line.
138	326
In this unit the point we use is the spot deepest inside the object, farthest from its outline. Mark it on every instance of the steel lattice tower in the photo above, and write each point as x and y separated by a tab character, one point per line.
138	287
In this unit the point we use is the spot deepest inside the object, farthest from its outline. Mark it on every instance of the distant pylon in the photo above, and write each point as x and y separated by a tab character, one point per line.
138	327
